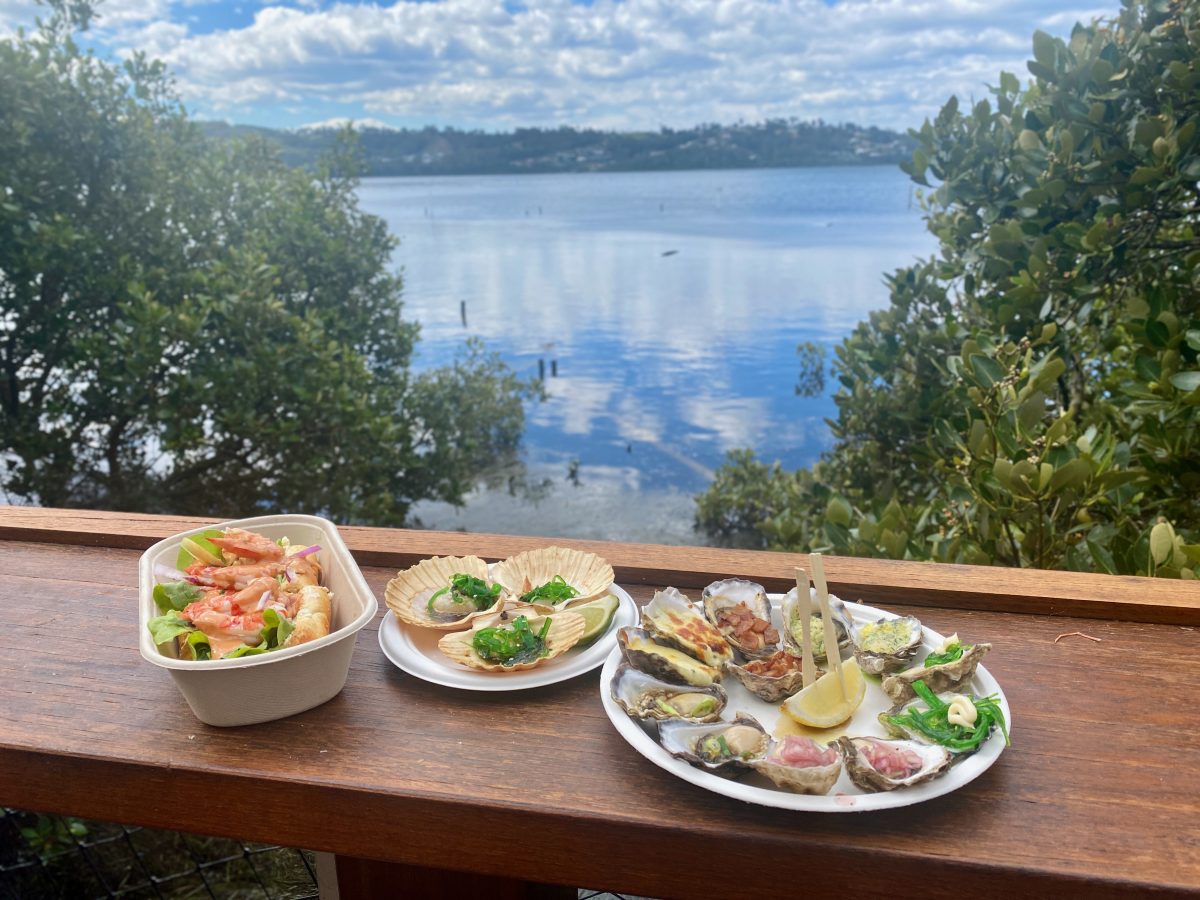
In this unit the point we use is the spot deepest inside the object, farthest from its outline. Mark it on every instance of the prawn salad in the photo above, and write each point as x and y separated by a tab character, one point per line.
237	593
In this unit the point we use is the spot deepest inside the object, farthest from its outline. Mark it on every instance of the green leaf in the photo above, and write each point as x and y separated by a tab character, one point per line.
175	595
1162	542
987	370
1071	475
838	511
1186	381
1044	48
167	627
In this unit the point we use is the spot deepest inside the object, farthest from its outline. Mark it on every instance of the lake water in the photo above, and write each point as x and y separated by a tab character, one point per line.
665	309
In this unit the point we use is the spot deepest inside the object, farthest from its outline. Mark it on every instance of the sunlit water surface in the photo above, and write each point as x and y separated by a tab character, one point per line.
669	305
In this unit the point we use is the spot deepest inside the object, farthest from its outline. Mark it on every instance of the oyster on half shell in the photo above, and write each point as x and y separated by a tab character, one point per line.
878	765
801	765
646	697
671	618
716	746
951	676
886	645
741	611
793	628
647	655
773	678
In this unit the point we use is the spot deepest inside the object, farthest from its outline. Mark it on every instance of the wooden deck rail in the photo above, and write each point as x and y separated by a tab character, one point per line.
1098	796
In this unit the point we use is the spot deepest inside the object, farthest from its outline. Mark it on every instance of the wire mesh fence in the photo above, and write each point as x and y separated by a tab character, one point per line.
45	857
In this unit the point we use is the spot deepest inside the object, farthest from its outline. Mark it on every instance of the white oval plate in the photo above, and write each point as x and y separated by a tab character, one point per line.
844	796
415	650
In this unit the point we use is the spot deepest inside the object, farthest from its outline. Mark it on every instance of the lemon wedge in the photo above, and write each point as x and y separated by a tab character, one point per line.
597	614
822	704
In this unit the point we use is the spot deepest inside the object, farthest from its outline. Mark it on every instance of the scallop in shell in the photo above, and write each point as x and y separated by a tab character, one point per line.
887	645
773	678
741	611
793	629
566	628
668	663
586	574
951	676
421	595
671	618
878	765
716	746
646	697
801	765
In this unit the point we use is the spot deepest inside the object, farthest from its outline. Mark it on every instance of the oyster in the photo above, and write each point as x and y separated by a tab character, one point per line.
887	645
585	575
801	765
742	613
566	628
644	653
961	723
670	617
951	676
646	697
793	629
423	596
773	678
878	765
717	746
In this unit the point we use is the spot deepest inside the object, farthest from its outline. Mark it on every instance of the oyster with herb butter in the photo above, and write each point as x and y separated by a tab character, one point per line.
793	628
646	697
886	645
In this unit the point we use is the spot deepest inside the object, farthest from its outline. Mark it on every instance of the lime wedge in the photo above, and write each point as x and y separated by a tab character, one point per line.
597	616
197	549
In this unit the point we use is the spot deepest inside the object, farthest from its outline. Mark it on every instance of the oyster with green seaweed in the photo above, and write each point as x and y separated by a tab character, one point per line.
949	669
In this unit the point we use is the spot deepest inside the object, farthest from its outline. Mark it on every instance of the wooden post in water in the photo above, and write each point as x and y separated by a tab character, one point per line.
462	311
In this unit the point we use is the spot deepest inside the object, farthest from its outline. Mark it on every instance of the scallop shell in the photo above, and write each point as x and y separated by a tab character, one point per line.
406	594
590	575
566	628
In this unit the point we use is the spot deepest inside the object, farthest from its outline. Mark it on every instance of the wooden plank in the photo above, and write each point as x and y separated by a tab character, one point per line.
1165	601
1091	799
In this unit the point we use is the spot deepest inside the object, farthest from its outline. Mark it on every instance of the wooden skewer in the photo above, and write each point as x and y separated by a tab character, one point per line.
808	666
832	653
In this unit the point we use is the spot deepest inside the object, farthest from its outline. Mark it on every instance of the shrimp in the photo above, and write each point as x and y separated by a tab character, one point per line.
248	545
235	577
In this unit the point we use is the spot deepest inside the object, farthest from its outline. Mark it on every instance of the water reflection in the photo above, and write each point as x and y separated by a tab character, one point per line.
671	305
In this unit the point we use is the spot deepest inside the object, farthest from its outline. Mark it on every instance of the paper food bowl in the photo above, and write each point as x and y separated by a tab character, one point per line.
281	683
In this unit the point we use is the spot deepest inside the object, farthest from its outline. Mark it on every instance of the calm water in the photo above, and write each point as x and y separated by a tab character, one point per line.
669	305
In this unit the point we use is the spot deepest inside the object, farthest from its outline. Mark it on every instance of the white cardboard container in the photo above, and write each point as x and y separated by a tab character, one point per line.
281	683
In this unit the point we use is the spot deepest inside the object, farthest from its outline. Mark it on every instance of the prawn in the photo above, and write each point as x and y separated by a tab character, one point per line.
248	545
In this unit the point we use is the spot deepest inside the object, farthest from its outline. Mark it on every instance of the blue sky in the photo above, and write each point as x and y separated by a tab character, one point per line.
626	64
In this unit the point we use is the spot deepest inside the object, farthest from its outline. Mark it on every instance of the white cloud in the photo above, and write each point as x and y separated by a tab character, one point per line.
626	63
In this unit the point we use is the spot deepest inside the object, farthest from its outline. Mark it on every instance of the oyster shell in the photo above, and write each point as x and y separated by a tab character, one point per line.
792	628
671	618
647	655
801	765
887	645
741	611
878	765
717	746
566	628
646	697
951	676
773	678
409	594
588	574
899	730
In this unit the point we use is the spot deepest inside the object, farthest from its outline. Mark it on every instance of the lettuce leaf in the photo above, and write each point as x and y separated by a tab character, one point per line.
201	648
276	628
175	595
247	650
167	627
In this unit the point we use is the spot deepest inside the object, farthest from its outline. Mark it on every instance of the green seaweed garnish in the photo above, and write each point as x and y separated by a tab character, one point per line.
933	723
953	653
556	590
511	644
468	589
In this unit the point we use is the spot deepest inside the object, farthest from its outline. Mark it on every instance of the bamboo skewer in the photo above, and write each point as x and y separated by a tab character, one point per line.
832	653
808	666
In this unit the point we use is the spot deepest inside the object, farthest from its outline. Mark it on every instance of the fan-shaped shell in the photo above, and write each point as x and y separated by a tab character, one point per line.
566	628
590	575
408	593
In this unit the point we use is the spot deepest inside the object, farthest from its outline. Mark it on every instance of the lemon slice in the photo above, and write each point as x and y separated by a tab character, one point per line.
822	704
597	615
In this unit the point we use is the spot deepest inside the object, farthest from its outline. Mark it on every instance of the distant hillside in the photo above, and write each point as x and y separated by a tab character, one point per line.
448	151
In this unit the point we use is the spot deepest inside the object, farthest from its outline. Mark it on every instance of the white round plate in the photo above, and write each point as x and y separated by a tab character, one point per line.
415	650
844	796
